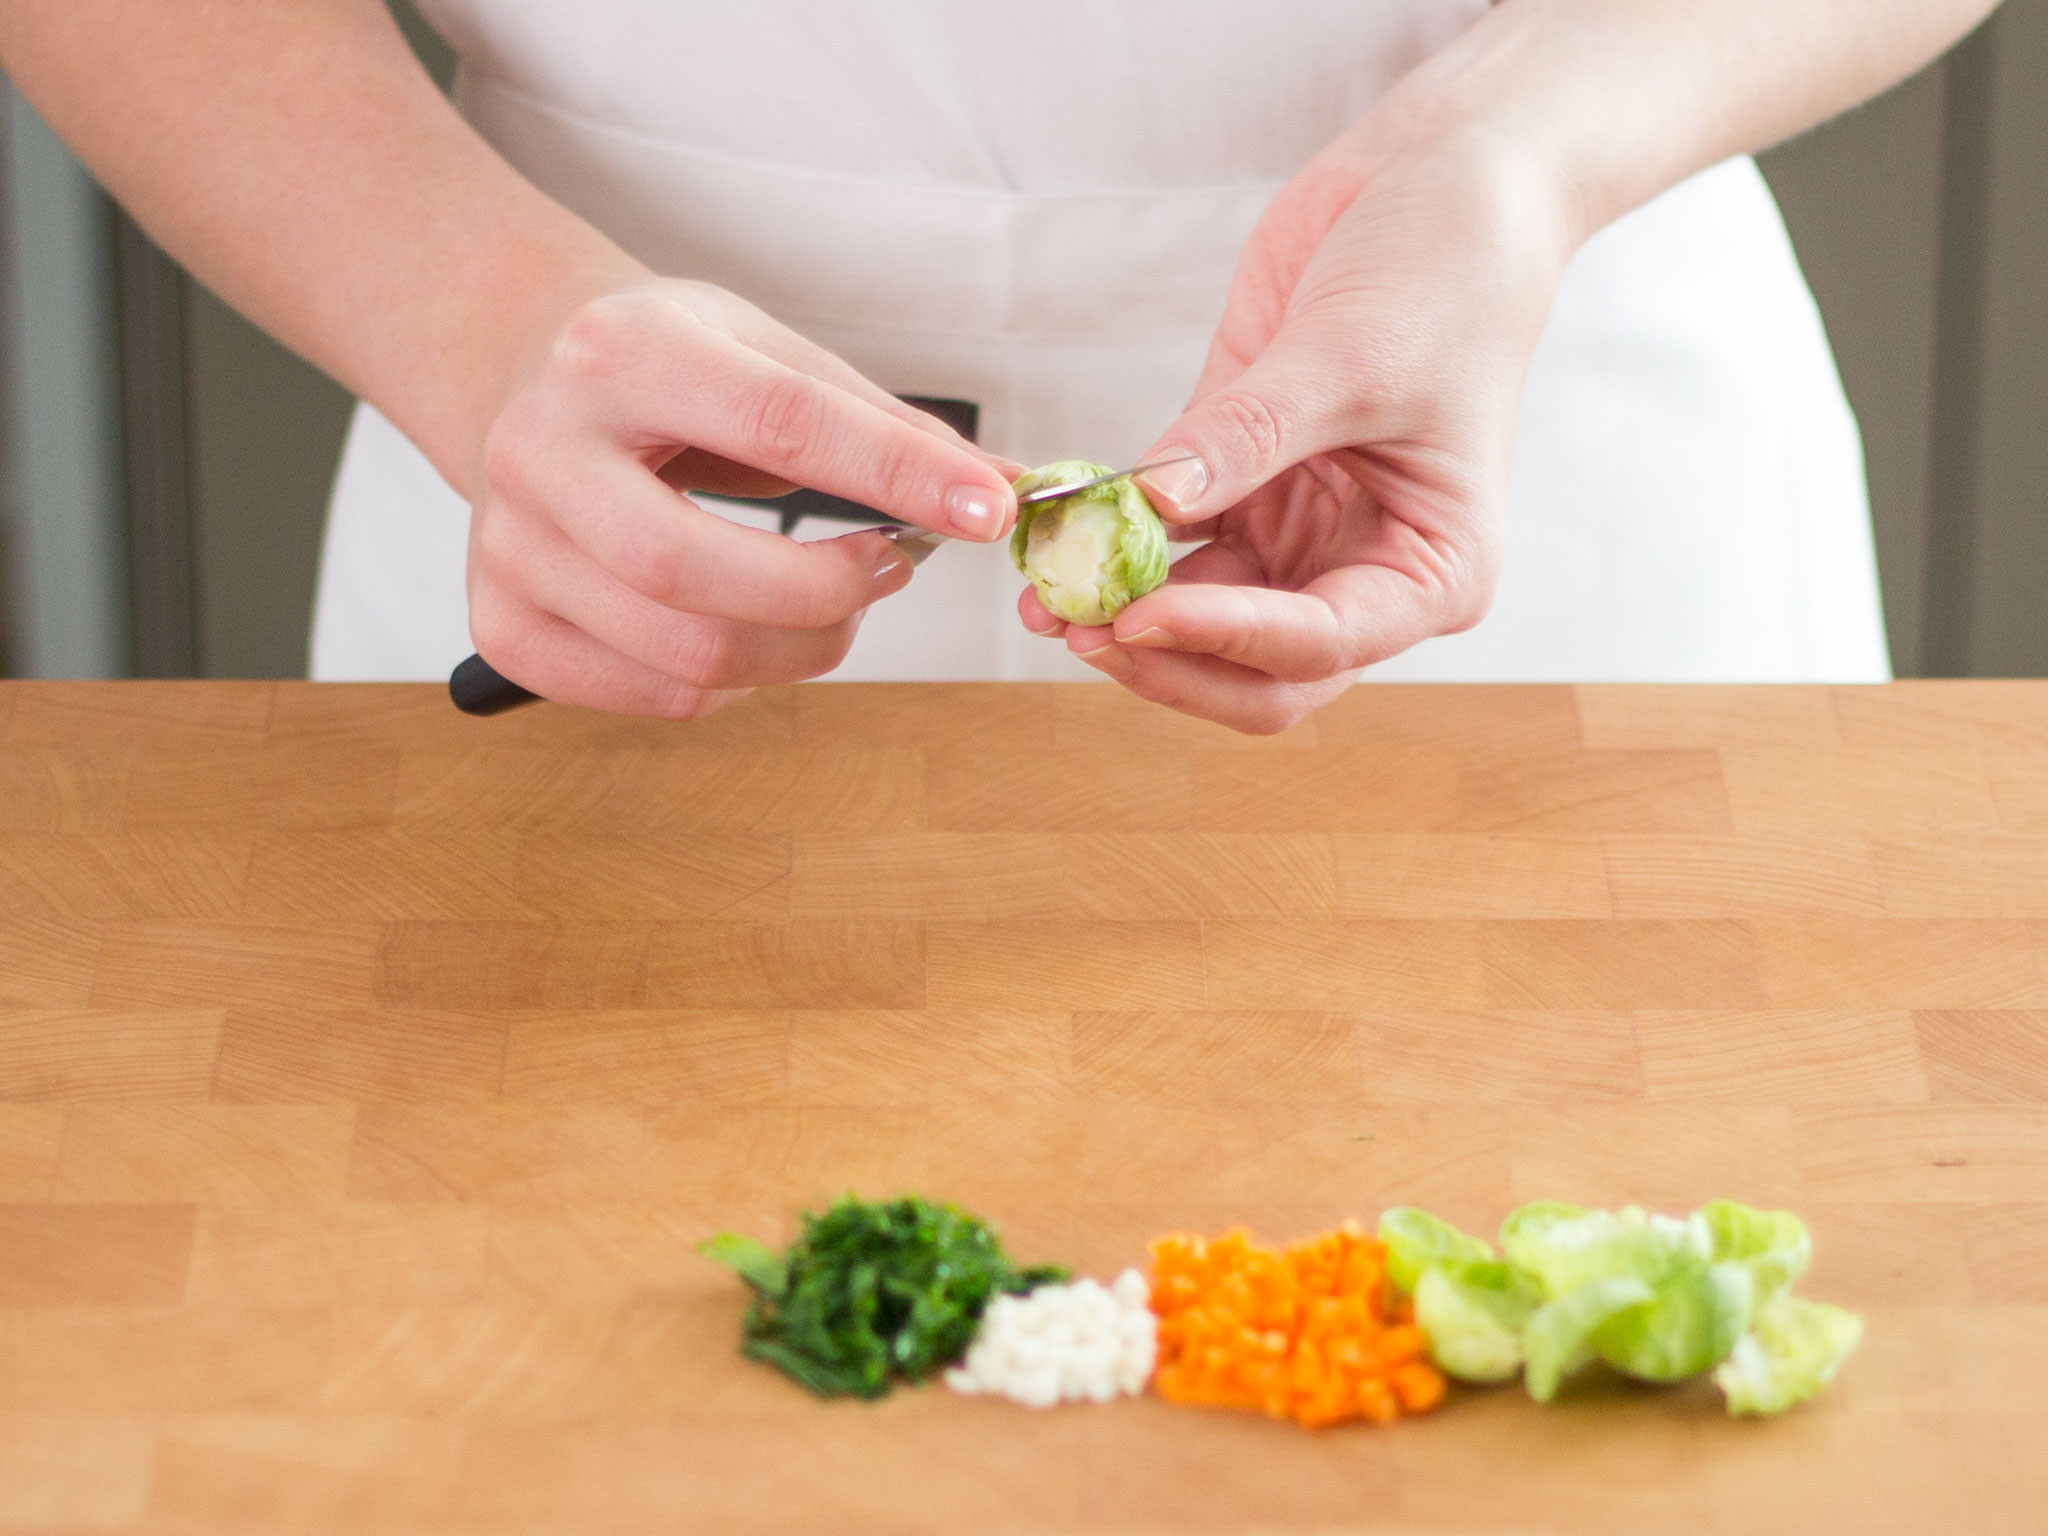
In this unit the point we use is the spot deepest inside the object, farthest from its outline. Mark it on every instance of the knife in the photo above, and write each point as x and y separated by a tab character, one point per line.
1074	487
478	688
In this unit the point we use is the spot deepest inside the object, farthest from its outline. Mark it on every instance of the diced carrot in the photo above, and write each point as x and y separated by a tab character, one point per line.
1376	1401
1402	1344
1313	1332
1419	1385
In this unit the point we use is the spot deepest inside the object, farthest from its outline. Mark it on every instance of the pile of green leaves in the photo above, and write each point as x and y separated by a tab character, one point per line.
1658	1298
872	1293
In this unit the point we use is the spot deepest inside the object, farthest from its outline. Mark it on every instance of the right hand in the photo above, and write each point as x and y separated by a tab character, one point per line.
593	580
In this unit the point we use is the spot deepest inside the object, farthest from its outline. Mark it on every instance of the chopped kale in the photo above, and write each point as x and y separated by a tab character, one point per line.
872	1293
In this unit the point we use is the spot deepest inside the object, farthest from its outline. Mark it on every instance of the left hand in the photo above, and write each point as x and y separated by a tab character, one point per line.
1354	425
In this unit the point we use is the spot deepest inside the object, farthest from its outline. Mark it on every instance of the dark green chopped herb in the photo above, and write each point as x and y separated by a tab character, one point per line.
872	1293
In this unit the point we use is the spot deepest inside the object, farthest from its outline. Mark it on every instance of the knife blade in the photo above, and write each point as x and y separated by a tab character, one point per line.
1056	492
914	542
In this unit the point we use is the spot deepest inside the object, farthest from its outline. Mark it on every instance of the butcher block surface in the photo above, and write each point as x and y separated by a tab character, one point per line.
369	1074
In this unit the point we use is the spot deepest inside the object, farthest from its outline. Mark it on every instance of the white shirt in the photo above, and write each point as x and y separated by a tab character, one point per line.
1038	208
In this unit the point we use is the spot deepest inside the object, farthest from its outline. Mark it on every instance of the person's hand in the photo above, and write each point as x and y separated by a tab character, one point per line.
594	580
1353	428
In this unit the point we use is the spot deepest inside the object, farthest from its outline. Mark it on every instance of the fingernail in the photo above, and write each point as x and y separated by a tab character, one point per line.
1181	484
975	511
1111	659
893	565
1159	639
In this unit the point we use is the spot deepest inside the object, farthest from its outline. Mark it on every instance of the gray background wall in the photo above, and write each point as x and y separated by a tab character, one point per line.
1862	198
1922	220
2008	598
61	534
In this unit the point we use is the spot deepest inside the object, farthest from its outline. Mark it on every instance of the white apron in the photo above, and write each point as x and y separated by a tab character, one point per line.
1038	208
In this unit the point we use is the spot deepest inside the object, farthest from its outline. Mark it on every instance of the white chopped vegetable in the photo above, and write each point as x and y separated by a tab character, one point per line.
1084	1342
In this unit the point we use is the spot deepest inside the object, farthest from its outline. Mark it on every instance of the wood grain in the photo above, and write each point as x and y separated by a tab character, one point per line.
592	791
1638	963
165	1359
1500	1056
1024	875
1741	876
2019	788
78	1472
1095	788
81	1056
1985	1057
1392	963
280	784
1917	791
43	789
47	961
1781	1058
30	1137
1610	790
1339	789
845	1056
1052	964
200	965
1480	721
125	877
55	1254
363	1252
369	1075
337	1053
221	1156
1712	717
1422	874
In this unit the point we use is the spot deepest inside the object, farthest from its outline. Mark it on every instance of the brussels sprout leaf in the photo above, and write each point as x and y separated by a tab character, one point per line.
1692	1320
1473	1312
1559	1339
1772	1245
1416	1241
1793	1351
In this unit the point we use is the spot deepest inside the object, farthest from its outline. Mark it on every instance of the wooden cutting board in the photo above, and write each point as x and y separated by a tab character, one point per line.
371	1072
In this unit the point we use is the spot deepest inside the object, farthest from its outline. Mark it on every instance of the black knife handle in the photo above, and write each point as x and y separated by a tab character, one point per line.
478	688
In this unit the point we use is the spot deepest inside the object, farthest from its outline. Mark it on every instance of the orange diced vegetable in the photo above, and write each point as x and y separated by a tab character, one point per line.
1313	1332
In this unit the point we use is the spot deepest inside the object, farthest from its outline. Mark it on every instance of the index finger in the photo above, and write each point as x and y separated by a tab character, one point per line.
729	399
667	548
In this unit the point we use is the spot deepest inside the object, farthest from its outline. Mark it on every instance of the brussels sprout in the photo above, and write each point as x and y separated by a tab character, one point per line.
1794	1350
1090	554
1473	1312
1771	1245
1416	1241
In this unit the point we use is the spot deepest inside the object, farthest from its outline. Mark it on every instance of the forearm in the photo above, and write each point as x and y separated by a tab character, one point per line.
1619	99
296	158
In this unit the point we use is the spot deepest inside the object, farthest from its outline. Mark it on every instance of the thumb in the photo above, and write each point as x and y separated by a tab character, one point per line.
1286	407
